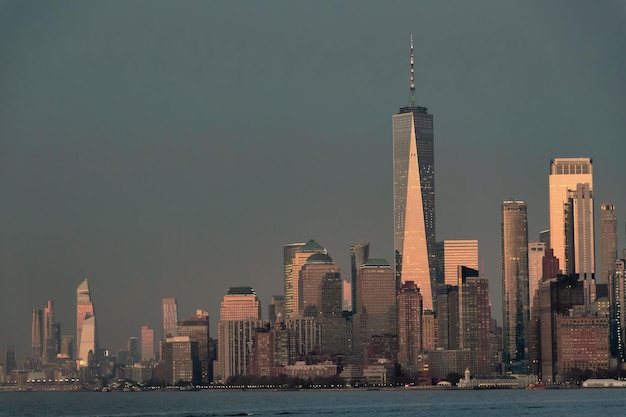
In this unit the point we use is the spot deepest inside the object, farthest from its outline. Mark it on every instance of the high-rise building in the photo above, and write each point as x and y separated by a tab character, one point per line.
515	300
180	360
475	319
37	334
536	252
240	316
565	174
608	242
450	254
376	304
617	314
147	343
414	196
134	355
276	309
312	274
295	255
557	296
359	254
170	317
86	335
51	334
197	328
581	223
409	328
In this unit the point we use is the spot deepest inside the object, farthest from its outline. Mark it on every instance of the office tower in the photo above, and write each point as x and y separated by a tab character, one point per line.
449	254
617	316
376	304
51	334
147	343
312	274
295	255
608	242
133	349
262	355
276	309
330	314
180	360
197	328
240	303
86	339
409	327
9	360
430	331
565	174
448	316
580	202
515	300
305	336
475	319
414	196
536	252
240	316
359	254
581	342
37	334
556	297
170	317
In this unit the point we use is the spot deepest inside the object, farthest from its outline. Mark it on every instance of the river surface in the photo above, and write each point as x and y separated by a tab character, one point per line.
344	403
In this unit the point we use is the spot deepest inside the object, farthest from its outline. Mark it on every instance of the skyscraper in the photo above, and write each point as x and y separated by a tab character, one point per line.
515	300
37	334
240	316
608	242
86	336
565	174
536	252
295	255
147	343
450	254
170	317
414	196
376	304
359	254
409	327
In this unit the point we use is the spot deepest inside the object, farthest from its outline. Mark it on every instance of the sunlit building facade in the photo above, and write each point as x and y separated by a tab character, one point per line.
169	308
565	174
414	196
86	339
295	256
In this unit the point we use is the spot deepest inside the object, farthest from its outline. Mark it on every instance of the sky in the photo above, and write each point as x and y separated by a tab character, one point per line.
170	149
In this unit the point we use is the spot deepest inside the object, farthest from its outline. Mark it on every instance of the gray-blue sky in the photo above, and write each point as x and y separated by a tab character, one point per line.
169	149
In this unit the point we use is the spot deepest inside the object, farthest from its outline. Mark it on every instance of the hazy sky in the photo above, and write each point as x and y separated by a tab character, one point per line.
170	149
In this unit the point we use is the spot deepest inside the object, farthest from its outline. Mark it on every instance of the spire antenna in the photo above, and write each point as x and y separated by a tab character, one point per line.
412	78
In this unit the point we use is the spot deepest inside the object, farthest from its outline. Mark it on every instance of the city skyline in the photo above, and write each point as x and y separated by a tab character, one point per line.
151	184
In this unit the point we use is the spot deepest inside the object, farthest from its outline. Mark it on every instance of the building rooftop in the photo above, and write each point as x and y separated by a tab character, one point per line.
311	246
319	258
241	291
376	262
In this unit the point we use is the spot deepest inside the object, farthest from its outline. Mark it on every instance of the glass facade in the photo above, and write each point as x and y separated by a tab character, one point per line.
414	200
515	298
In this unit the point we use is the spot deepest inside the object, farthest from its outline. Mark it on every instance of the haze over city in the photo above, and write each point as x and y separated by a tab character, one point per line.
161	149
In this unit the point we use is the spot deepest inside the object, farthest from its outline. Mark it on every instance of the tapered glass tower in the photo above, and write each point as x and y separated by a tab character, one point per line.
414	196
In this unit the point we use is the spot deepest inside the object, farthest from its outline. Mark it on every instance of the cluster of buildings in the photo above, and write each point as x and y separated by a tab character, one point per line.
420	317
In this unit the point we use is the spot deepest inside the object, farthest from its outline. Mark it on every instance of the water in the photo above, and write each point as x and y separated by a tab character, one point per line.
395	403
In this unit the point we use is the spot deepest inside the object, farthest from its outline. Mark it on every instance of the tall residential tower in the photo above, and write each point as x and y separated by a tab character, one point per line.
515	299
414	196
